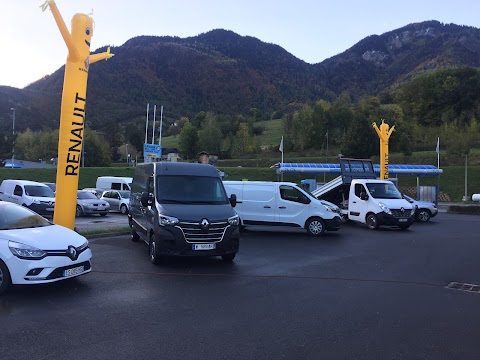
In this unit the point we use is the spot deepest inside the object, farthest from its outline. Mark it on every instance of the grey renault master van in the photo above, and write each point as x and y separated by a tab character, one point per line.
182	209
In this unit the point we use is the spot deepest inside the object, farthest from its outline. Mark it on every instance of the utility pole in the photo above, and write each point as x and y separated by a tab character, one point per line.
13	138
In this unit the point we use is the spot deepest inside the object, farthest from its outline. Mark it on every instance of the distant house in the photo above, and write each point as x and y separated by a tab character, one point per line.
170	154
206	158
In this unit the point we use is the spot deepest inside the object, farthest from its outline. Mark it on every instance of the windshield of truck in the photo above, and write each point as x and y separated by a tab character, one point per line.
383	191
40	191
181	189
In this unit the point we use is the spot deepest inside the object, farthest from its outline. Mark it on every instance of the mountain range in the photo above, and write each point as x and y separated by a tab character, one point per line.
225	73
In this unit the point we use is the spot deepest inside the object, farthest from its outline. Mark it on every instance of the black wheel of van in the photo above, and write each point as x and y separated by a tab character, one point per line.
154	257
228	257
124	209
5	279
315	227
79	211
372	221
423	215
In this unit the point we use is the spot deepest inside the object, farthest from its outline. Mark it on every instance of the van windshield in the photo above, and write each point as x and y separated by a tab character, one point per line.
383	191
40	191
182	189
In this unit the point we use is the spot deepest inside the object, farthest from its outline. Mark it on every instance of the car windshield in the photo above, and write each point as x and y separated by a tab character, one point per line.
124	194
18	217
85	195
39	191
383	191
176	189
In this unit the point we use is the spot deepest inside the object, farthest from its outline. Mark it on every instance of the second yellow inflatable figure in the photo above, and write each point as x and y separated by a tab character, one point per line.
384	135
72	113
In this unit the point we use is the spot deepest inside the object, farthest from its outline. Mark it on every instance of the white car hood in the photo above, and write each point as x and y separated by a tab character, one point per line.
395	203
53	237
42	199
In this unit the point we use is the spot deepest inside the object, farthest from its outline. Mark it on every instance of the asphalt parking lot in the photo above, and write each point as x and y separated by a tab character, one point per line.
355	294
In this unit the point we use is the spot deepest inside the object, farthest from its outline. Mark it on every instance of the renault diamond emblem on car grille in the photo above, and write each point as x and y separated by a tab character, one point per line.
204	225
72	252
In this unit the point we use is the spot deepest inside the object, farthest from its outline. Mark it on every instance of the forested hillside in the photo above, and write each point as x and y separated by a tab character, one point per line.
419	76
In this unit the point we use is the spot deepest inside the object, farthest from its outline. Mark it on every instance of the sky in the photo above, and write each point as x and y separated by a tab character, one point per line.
312	30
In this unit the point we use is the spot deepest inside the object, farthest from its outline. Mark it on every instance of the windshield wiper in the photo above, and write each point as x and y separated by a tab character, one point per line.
172	201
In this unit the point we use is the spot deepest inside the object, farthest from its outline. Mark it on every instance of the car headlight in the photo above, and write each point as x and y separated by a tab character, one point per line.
234	220
167	220
83	246
23	251
35	201
384	208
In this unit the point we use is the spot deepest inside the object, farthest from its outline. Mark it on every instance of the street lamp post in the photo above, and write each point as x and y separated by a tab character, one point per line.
13	137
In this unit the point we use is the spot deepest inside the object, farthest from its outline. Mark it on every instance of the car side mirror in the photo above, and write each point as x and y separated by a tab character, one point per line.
233	200
146	199
363	196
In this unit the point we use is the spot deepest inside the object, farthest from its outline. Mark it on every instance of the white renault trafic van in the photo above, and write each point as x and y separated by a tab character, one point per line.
34	195
114	183
281	204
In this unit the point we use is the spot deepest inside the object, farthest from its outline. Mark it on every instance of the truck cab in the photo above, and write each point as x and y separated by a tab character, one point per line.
378	202
363	198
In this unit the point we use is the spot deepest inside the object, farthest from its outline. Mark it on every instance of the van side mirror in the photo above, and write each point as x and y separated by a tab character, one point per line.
363	196
146	199
233	200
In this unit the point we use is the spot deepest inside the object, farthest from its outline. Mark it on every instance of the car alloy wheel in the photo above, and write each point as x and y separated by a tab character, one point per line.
5	280
372	221
423	215
316	227
124	209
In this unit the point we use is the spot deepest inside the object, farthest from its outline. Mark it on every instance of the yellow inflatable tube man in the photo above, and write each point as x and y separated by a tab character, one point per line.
384	134
72	114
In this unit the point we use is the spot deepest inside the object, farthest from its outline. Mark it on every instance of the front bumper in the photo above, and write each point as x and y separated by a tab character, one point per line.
91	211
390	220
171	241
42	209
53	268
333	224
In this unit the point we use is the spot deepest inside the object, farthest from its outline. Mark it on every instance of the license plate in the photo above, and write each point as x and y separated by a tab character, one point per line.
402	220
73	271
49	209
203	246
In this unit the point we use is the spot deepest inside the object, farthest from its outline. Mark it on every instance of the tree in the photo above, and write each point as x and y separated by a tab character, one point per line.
361	140
97	149
244	143
209	136
189	141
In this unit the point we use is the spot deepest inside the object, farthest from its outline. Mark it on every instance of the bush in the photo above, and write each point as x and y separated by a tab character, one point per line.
464	209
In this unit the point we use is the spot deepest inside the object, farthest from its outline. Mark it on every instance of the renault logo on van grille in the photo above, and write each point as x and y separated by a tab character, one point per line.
204	224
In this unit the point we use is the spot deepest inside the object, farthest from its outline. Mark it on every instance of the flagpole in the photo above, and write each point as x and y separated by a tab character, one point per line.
146	124
438	153
153	127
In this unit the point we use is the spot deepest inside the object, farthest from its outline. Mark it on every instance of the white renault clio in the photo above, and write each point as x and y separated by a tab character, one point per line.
34	251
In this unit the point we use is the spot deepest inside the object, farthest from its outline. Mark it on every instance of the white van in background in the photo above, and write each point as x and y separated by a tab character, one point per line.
34	195
114	183
281	204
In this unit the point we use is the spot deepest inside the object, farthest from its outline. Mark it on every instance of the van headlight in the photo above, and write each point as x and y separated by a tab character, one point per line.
384	208
167	220
234	220
23	251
